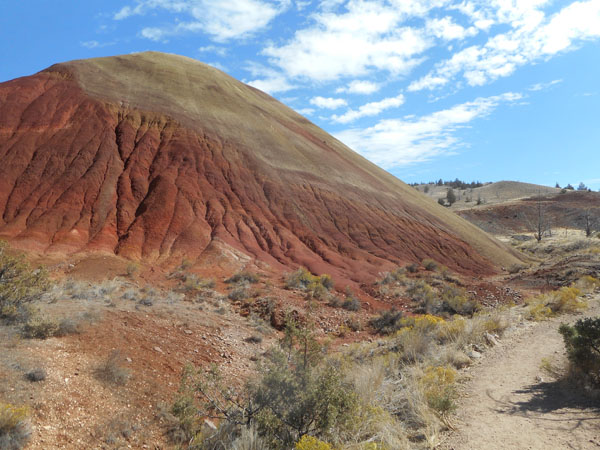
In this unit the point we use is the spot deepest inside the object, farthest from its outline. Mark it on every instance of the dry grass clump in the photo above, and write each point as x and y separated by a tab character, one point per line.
564	300
587	284
15	428
411	374
397	275
516	268
112	370
391	284
192	282
132	268
239	293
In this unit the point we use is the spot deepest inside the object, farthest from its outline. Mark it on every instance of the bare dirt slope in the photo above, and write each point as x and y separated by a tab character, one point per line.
511	403
152	156
559	211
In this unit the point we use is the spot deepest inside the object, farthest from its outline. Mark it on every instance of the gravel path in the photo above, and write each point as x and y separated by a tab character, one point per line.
511	403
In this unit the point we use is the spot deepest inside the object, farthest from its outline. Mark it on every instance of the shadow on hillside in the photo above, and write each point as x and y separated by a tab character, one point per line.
556	397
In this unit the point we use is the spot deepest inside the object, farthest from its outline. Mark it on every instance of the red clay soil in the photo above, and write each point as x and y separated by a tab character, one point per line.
80	173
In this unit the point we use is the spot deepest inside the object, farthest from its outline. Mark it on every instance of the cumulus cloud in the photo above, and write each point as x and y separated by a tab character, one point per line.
267	79
221	20
370	109
367	36
448	30
328	102
532	37
399	142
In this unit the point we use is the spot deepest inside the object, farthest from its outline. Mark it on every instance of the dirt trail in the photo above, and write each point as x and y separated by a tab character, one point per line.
511	403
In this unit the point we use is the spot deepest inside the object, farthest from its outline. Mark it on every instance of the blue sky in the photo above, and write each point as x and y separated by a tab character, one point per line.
427	89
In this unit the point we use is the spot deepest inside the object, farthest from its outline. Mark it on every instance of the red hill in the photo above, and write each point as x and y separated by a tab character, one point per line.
152	156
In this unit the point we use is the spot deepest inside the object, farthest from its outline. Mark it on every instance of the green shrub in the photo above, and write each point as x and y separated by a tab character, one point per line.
19	285
243	277
582	342
421	292
430	264
298	399
351	304
455	300
412	268
15	428
297	394
239	293
314	285
36	375
38	327
387	322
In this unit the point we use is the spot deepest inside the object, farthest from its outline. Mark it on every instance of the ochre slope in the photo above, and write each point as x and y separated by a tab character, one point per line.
153	155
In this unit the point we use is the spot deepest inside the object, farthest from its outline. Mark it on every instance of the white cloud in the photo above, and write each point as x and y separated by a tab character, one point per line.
143	6
429	81
328	102
221	51
96	44
359	87
272	85
268	79
448	30
217	65
306	111
369	109
366	36
400	142
222	20
543	86
532	37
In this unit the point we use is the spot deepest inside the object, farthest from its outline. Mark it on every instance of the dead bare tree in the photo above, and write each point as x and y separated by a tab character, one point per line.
589	222
540	223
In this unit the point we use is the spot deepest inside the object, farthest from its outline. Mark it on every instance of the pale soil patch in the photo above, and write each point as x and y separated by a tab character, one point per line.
510	402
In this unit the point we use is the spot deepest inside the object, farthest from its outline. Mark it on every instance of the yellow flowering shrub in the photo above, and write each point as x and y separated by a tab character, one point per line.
438	386
311	443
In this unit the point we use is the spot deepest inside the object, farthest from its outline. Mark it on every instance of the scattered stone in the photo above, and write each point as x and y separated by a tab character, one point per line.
473	354
209	424
187	331
491	340
158	349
